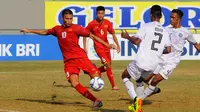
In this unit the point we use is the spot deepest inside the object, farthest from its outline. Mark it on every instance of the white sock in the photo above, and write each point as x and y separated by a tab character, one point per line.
130	88
150	81
148	91
139	88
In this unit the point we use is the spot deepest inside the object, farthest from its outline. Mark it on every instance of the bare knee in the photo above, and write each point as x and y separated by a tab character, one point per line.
74	80
158	78
125	74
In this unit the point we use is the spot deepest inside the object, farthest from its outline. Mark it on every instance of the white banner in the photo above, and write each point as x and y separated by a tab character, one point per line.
128	50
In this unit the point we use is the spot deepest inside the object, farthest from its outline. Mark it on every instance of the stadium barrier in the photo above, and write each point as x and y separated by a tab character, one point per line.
33	47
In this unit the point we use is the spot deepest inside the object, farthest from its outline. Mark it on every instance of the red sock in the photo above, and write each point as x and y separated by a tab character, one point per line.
102	69
84	91
110	76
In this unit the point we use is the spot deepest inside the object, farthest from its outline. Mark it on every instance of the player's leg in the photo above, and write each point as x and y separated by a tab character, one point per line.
87	66
102	69
134	72
74	79
146	78
107	62
152	86
72	73
129	85
164	72
140	84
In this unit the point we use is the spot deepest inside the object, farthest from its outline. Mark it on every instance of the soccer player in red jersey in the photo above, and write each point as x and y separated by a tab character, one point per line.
99	27
75	58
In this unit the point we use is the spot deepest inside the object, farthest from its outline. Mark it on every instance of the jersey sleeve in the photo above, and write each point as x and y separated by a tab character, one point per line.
141	32
52	31
190	38
110	28
80	31
167	40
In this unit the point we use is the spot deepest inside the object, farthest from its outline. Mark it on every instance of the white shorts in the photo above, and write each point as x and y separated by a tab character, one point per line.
165	69
134	71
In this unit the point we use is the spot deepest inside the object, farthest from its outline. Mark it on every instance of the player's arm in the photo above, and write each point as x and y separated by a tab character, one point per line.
86	33
168	44
39	32
116	42
192	40
167	50
112	32
132	39
197	46
85	44
136	39
89	27
111	46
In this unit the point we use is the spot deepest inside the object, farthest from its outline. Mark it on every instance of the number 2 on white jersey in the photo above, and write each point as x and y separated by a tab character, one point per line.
156	41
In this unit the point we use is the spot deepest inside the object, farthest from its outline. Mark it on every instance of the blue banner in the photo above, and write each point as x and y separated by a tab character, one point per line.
29	47
34	47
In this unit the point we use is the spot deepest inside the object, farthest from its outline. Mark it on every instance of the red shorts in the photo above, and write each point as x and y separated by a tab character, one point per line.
104	56
73	67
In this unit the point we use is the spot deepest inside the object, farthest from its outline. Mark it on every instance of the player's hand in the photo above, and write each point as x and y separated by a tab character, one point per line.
118	49
125	35
112	46
86	51
25	30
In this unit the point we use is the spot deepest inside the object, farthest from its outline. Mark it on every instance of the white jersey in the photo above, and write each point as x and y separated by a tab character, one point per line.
178	37
154	40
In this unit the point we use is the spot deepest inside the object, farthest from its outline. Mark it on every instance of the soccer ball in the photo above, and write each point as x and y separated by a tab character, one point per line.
96	84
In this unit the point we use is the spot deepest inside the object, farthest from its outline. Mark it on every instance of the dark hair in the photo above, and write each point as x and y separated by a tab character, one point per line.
66	11
178	12
100	8
156	11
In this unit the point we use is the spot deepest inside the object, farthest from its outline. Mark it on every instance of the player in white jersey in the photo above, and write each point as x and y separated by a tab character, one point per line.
168	62
153	41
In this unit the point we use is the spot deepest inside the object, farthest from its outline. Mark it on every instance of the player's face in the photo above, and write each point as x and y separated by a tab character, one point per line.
67	19
174	19
100	15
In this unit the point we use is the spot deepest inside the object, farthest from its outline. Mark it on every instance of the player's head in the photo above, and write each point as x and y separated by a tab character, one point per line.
176	17
156	12
100	12
67	17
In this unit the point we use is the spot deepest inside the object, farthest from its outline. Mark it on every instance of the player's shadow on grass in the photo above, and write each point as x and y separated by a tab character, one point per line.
110	110
54	102
66	86
145	102
62	86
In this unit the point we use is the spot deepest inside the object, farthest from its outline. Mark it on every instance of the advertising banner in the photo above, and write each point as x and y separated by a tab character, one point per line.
123	15
33	47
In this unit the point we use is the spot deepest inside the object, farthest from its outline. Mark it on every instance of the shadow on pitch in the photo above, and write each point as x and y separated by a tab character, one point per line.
62	86
66	86
145	102
110	110
53	102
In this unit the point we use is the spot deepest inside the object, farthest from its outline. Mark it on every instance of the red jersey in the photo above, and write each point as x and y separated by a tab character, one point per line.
100	30
68	39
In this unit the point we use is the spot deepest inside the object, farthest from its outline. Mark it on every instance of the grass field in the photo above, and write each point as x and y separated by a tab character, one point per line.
27	87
